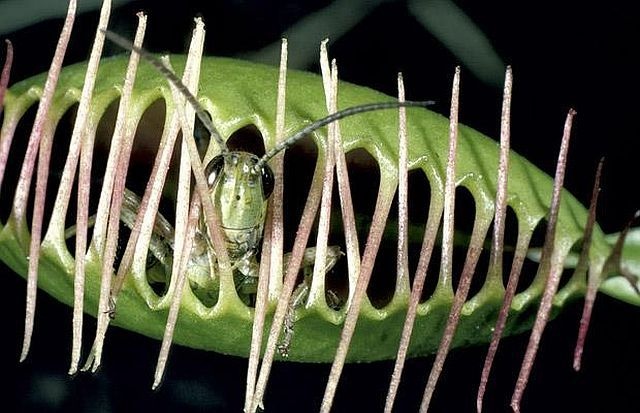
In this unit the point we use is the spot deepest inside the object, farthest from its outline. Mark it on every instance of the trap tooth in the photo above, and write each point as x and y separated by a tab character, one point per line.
402	256
446	266
6	71
299	244
381	212
317	289
497	246
272	244
551	262
41	137
188	215
80	150
352	244
107	224
594	275
613	264
179	274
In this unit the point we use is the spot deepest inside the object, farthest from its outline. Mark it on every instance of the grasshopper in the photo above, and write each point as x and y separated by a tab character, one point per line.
239	185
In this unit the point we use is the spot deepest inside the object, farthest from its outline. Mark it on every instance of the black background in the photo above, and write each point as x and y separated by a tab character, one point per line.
564	54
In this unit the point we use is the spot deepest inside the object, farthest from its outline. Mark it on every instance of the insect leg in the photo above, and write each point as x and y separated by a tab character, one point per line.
301	293
161	243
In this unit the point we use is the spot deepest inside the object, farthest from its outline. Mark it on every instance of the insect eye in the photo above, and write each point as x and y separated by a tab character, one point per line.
213	170
267	181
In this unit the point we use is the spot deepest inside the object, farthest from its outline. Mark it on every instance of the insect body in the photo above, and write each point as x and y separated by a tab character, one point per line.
239	191
239	185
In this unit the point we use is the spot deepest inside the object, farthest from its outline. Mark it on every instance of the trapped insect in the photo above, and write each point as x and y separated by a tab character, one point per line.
239	184
428	155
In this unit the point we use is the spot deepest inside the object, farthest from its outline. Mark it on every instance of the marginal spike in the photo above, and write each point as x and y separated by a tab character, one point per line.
428	242
317	288
6	71
81	146
582	267
300	242
179	274
497	247
39	134
402	261
188	212
344	191
446	263
614	261
105	234
5	142
551	263
380	214
271	259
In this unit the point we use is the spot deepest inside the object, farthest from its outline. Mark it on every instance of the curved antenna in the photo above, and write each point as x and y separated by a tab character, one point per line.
171	77
354	110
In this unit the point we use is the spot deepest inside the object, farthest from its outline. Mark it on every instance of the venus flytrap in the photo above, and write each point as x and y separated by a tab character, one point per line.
236	94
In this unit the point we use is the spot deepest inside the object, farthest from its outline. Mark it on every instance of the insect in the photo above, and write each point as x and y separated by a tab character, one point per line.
239	185
387	153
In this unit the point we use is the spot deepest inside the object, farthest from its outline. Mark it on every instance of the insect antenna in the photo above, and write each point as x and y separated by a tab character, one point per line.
354	110
206	120
175	80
